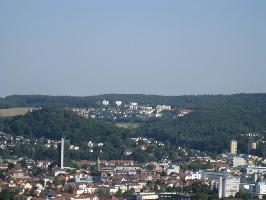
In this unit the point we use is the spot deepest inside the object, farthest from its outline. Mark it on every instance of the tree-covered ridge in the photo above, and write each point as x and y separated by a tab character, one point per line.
55	123
210	129
190	101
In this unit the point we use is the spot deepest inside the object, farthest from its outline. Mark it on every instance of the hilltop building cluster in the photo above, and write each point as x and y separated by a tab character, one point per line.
122	111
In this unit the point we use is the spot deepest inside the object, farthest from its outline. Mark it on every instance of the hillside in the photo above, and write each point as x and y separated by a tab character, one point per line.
215	121
209	130
190	101
54	123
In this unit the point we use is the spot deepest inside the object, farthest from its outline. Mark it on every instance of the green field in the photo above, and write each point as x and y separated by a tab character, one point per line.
127	125
10	112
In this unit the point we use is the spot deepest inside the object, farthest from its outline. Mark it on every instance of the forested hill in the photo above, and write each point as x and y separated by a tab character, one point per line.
190	101
209	130
215	121
54	123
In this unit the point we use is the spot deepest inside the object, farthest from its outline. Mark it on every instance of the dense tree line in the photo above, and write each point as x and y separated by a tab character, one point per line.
209	129
189	101
57	123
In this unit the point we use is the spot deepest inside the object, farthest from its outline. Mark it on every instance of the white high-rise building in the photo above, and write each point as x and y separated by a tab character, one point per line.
228	186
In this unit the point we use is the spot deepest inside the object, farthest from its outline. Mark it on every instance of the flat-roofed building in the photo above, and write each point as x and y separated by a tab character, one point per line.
228	186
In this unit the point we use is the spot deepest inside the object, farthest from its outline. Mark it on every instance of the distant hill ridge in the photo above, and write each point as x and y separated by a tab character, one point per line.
191	101
216	120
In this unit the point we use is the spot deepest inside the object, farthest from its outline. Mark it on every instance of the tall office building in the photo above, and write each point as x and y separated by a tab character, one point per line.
63	153
228	186
233	147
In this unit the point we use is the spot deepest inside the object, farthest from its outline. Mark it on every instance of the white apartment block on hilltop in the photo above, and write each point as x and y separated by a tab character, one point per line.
160	108
105	102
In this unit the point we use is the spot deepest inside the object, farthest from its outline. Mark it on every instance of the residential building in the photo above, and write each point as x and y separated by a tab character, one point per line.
233	147
211	174
172	169
105	102
257	189
118	103
251	169
253	145
228	186
238	161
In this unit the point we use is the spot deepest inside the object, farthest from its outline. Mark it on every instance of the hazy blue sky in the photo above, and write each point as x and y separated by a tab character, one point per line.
83	47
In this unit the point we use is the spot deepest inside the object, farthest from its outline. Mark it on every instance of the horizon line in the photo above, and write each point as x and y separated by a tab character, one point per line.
164	95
